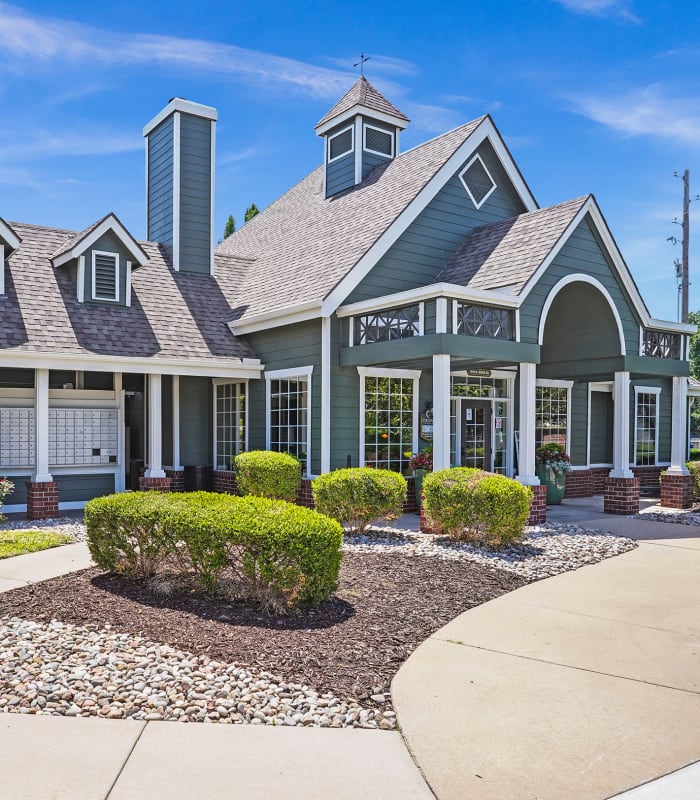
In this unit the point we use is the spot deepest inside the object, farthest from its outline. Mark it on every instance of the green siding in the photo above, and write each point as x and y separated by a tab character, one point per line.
76	488
582	253
166	418
160	185
196	445
18	496
601	428
287	347
195	194
579	423
345	406
429	242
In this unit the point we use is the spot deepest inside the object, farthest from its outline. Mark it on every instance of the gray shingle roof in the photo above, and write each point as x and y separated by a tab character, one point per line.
362	93
304	244
505	254
173	315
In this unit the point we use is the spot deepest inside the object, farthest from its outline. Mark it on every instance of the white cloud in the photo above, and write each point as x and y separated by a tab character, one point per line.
29	39
644	112
434	119
601	8
45	144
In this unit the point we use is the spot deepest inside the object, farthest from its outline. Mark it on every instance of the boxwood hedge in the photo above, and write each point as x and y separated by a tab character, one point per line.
264	473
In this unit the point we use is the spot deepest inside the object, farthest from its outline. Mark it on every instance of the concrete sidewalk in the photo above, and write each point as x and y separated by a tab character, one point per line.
579	687
45	564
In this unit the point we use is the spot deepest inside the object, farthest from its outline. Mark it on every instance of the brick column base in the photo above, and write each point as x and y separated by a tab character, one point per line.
224	481
155	484
677	491
538	507
304	494
411	505
621	496
177	479
42	500
579	483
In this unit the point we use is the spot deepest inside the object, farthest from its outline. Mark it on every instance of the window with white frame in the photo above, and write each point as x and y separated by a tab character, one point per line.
389	418
105	276
552	413
378	141
230	405
341	143
646	427
289	413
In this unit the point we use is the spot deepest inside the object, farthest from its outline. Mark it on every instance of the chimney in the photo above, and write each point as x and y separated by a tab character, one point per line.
180	184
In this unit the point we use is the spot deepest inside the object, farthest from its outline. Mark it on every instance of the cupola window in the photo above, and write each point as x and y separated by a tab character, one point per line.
105	276
477	181
378	141
340	144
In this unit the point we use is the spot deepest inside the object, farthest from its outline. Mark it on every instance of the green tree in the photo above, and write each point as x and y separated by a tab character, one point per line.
251	211
694	357
230	226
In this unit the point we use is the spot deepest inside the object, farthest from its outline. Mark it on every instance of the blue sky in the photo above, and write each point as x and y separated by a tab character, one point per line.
594	96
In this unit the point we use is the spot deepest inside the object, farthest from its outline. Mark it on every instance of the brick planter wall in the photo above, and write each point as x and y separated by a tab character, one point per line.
648	479
224	481
579	483
538	508
42	499
621	496
304	495
599	476
411	506
177	479
155	484
677	491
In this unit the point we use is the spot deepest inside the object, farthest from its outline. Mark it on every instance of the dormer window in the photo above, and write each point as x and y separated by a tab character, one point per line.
378	141
341	144
477	181
105	276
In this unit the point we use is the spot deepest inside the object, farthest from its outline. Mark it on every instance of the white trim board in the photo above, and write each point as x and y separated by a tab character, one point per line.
360	110
186	107
9	235
109	223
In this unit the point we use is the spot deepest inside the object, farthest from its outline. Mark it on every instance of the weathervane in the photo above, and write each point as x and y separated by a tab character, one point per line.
361	64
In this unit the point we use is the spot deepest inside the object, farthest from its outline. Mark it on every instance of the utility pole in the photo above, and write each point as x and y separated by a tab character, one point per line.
685	281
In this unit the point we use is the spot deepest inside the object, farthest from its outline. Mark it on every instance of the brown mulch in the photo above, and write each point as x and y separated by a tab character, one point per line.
352	645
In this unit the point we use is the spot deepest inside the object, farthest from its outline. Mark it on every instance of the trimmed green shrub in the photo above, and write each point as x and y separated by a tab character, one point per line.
478	506
279	555
694	454
358	495
264	473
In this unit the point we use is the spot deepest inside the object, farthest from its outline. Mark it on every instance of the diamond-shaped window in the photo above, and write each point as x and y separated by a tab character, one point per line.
477	181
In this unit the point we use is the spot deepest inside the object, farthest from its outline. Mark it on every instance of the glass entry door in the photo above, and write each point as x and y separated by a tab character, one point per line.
476	434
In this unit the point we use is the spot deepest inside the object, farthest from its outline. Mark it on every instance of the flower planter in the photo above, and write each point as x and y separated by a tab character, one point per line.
555	481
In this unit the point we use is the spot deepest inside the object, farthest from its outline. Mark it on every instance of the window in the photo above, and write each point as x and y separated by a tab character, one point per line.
105	276
494	323
378	141
477	181
646	425
230	410
660	344
289	413
552	403
340	144
389	418
386	326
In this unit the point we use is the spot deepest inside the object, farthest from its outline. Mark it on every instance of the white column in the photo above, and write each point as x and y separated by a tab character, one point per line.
41	418
527	474
621	427
155	432
441	411
176	420
325	394
679	432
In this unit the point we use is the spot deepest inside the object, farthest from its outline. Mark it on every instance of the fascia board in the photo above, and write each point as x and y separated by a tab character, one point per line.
244	369
275	319
186	107
365	111
485	130
450	290
110	223
673	327
9	236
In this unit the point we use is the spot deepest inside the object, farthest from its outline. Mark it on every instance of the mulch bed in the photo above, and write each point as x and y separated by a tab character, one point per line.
352	645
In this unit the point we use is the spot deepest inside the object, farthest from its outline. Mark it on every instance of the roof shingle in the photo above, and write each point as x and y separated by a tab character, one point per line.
362	93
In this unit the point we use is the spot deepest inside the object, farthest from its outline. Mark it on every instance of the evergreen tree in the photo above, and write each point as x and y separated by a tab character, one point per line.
251	211
230	226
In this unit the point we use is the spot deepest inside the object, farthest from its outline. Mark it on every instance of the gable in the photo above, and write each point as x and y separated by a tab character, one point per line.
423	250
107	243
583	253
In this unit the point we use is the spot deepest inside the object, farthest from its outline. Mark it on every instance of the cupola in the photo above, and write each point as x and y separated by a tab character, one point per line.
359	132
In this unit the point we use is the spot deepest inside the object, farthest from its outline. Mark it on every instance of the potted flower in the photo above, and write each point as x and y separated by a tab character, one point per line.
420	464
552	465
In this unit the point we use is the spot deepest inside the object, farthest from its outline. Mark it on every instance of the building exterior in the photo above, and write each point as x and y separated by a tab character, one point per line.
388	302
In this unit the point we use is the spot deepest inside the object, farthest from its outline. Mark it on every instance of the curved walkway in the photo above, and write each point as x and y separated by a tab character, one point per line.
579	686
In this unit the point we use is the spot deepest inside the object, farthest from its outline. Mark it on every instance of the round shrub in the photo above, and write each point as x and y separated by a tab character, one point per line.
358	495
477	506
264	473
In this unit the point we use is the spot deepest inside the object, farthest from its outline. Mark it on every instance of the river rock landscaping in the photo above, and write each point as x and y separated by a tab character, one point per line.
680	516
93	644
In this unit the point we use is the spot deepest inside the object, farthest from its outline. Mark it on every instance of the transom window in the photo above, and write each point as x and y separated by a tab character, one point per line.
340	144
552	414
105	276
289	414
385	326
389	419
646	425
477	181
378	141
230	422
661	344
494	323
